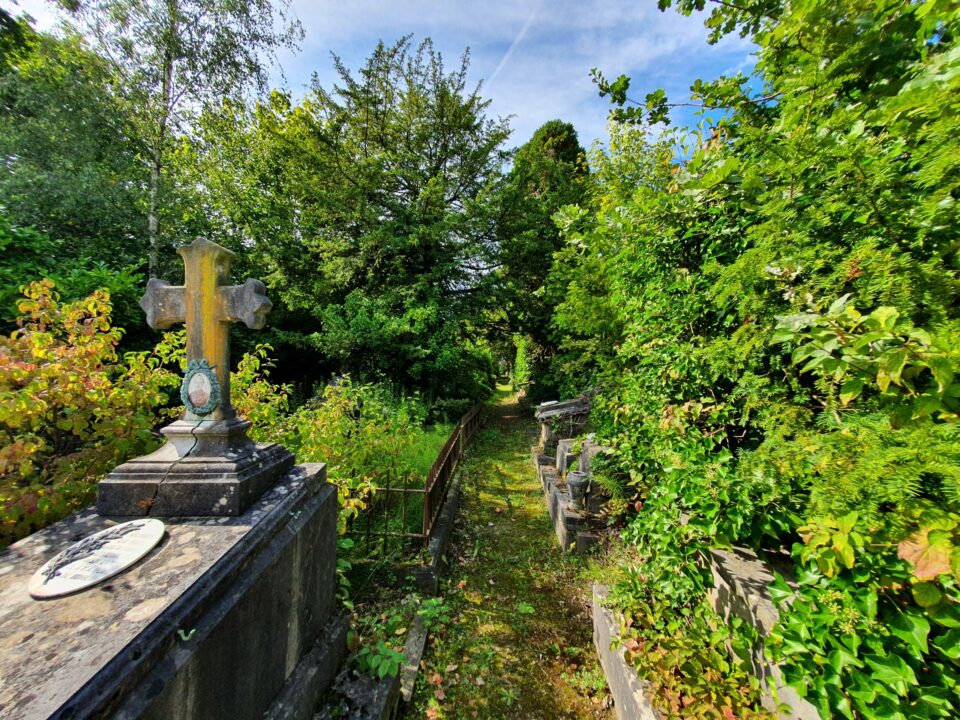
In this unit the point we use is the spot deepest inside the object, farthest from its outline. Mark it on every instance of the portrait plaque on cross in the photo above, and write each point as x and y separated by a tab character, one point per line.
208	466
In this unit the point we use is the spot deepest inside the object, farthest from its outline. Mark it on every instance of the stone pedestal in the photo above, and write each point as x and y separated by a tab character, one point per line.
228	618
207	467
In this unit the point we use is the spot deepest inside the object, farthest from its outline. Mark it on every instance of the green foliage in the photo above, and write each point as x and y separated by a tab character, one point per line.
70	409
372	205
362	432
380	659
70	166
549	172
521	362
27	256
913	369
745	408
170	61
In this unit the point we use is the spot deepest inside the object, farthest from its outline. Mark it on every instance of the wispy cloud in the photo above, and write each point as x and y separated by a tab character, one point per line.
516	41
533	74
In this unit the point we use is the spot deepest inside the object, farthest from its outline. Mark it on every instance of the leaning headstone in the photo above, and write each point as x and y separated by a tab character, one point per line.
208	465
565	458
233	615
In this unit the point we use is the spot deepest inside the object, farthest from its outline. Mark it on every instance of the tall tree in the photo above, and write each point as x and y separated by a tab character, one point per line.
70	168
549	171
375	210
177	57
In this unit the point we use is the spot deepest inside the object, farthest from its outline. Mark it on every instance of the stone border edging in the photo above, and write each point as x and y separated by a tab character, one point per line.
573	529
629	692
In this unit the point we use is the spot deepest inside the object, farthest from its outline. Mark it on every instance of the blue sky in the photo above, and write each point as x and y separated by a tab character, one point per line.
533	57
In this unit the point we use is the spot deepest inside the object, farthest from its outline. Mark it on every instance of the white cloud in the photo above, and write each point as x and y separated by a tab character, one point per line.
534	57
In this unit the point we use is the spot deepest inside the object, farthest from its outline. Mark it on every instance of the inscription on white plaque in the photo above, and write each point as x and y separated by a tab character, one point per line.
96	558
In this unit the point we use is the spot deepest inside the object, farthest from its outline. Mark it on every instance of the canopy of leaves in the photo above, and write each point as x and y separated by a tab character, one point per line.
70	167
372	206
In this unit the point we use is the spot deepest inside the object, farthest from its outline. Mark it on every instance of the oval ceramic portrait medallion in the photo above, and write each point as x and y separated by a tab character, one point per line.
199	389
96	558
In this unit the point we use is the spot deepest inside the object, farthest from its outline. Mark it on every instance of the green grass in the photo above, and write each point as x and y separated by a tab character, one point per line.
518	644
420	456
416	462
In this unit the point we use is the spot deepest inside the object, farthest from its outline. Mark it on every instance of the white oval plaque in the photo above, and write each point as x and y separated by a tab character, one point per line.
96	558
199	389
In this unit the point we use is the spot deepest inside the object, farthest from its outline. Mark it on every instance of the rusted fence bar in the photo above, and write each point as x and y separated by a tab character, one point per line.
438	479
377	518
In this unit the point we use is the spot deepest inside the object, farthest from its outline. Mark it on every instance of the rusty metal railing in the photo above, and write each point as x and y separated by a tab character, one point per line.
438	479
399	497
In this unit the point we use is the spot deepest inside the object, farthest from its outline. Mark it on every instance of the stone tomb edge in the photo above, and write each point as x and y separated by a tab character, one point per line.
211	624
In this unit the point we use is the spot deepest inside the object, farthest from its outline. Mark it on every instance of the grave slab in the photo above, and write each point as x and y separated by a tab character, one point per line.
212	623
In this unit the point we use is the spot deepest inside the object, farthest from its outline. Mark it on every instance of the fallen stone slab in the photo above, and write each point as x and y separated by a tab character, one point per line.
576	406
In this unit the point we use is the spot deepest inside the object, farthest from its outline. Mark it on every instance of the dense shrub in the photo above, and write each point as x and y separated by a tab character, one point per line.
70	409
769	308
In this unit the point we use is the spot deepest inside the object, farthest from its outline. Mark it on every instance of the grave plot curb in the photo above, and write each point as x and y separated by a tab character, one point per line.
629	692
370	698
574	530
741	581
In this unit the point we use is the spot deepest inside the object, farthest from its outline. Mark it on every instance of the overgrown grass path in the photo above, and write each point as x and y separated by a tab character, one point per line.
516	642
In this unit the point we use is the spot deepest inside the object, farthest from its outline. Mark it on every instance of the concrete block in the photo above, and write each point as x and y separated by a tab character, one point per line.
566	458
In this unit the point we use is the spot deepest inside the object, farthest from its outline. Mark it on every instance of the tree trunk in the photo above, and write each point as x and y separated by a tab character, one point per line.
153	222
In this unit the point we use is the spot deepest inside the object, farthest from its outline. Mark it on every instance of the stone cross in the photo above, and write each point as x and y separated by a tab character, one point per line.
207	305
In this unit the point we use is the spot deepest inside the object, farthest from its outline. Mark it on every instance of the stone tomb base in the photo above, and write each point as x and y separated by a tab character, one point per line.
229	617
575	530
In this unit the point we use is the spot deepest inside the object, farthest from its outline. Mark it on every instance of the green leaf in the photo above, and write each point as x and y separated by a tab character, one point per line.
891	670
779	589
926	594
847	522
885	317
912	629
949	643
947	615
850	390
891	363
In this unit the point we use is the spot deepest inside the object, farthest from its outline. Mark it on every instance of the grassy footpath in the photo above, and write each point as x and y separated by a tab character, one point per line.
514	640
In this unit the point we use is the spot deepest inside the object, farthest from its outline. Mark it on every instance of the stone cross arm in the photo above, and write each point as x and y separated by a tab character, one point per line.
207	305
166	305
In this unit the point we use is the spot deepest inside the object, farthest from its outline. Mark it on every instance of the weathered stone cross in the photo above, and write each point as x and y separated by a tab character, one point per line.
207	305
208	466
